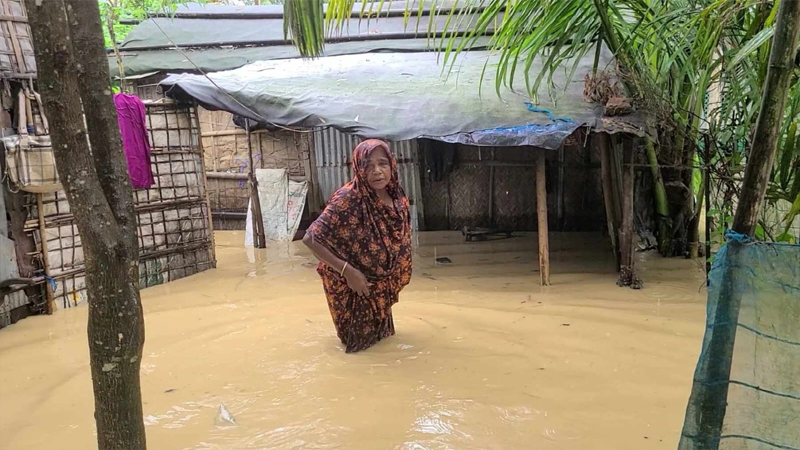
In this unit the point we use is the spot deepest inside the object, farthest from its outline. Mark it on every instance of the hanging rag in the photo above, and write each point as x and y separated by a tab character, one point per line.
131	117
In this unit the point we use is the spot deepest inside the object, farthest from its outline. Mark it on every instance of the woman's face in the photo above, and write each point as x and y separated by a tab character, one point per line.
379	169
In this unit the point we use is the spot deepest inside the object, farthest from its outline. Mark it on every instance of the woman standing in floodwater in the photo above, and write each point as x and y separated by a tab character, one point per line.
363	242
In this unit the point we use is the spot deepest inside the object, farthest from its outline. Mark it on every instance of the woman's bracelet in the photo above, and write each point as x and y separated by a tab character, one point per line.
343	269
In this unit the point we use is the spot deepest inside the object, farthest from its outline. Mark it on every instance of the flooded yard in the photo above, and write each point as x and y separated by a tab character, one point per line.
483	358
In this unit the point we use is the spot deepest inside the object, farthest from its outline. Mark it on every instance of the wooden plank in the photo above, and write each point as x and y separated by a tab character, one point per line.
12	18
541	213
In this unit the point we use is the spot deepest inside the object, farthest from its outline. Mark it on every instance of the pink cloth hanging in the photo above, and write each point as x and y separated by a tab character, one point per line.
131	116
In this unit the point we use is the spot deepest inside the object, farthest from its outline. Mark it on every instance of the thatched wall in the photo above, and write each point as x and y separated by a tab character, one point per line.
175	238
227	153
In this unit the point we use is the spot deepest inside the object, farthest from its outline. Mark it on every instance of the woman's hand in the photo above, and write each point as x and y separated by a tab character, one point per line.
356	281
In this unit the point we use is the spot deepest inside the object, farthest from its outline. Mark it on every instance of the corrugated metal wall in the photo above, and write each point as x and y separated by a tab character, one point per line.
333	150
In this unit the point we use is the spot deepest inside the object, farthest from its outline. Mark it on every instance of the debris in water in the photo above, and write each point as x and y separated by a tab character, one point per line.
443	260
224	417
169	390
647	242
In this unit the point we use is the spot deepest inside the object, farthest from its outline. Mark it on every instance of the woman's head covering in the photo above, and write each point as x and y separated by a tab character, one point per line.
360	163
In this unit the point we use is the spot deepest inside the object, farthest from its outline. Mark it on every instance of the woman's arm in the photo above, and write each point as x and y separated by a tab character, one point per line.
323	254
355	279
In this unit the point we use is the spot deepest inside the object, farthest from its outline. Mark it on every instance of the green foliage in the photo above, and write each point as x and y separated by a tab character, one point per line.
304	19
133	9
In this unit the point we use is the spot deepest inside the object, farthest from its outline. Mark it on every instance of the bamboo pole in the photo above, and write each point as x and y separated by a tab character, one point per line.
51	303
560	197
491	191
615	162
627	274
608	191
707	194
259	240
708	401
227	176
541	214
196	117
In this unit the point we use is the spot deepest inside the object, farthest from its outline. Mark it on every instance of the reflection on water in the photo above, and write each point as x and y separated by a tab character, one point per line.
483	358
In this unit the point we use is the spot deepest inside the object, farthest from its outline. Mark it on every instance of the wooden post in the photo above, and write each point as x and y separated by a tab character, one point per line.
615	157
259	240
627	274
541	213
491	191
608	191
707	195
51	303
196	117
560	191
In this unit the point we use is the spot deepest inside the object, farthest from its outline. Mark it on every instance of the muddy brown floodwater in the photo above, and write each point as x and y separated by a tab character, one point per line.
484	358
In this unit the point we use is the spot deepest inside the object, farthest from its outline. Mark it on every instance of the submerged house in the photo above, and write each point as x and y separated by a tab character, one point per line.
468	157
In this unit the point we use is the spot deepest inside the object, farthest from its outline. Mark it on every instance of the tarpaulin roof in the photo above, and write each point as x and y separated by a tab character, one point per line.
399	96
218	37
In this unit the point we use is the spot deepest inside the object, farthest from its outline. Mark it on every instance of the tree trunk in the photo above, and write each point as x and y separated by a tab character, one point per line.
694	224
100	196
662	203
710	389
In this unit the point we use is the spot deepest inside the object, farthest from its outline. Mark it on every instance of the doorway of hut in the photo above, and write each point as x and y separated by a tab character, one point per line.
483	201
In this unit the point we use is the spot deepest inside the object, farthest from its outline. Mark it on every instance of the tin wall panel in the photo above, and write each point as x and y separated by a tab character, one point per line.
333	150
